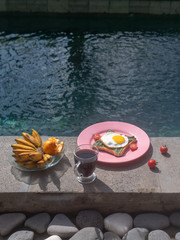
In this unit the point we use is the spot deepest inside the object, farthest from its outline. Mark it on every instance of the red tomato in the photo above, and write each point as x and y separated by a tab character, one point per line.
96	136
163	149
133	146
152	163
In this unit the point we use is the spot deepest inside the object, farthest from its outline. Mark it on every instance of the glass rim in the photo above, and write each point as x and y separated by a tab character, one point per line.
78	147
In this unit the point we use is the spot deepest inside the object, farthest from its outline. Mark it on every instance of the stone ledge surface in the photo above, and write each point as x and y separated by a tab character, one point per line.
117	188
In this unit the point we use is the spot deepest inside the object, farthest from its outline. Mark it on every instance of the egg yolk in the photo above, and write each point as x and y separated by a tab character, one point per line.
118	139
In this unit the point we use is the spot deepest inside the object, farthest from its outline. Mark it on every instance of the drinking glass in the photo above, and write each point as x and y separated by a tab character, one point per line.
85	157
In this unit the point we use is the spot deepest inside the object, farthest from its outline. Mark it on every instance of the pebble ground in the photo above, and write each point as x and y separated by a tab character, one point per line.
41	222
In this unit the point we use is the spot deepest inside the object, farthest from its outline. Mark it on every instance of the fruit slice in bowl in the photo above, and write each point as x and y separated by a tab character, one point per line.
53	146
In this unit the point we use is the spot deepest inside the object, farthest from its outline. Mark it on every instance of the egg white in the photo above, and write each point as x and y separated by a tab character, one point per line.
108	141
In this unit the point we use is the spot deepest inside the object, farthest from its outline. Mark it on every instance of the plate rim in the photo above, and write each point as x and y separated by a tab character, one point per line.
123	159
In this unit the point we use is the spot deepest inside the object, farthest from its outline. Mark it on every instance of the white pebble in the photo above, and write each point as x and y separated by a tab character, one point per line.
119	223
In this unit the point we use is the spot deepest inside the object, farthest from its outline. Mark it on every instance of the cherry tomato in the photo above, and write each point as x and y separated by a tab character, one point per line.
163	149
133	146
96	136
152	163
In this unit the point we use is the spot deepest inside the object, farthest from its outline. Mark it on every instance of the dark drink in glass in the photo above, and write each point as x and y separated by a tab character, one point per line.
88	165
85	157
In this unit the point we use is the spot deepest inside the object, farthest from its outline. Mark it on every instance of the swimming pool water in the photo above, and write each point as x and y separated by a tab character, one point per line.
59	75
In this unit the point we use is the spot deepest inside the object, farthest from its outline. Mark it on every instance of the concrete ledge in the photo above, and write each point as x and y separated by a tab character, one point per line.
37	5
154	7
130	188
19	5
78	6
98	6
175	8
137	6
159	7
3	6
119	6
60	6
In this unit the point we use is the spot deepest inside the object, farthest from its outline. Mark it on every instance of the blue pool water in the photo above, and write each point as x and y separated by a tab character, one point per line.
59	75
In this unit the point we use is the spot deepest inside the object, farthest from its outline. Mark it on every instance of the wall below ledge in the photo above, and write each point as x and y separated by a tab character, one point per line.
154	7
106	203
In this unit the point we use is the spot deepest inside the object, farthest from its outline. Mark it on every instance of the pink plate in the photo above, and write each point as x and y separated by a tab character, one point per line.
143	141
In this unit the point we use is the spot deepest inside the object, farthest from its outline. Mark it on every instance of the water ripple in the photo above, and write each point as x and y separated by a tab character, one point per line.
62	81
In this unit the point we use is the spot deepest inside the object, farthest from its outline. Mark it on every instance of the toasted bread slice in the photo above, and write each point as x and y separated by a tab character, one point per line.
118	152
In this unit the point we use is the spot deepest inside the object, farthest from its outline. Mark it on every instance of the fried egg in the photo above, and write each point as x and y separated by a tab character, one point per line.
114	140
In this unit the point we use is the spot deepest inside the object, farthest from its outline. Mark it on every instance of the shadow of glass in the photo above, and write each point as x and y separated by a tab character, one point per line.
97	186
43	177
128	166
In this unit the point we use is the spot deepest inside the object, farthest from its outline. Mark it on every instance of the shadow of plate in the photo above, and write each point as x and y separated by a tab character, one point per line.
52	174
